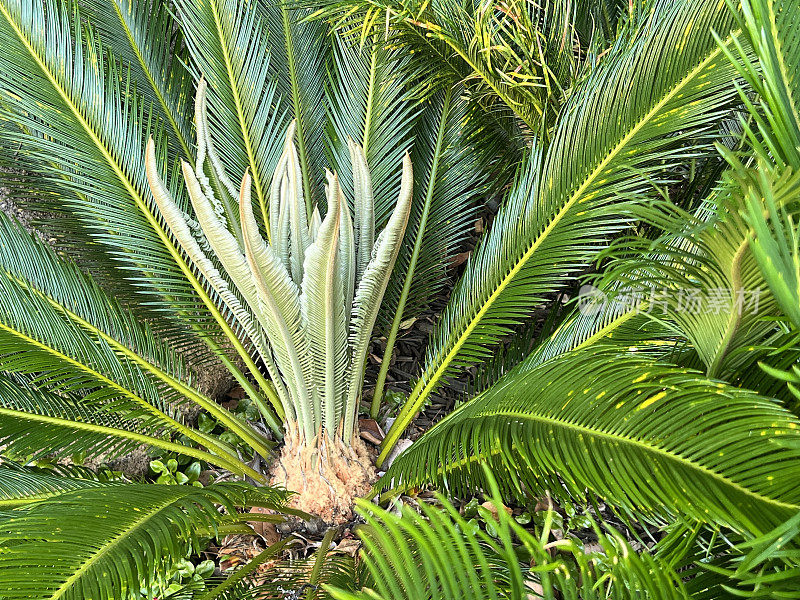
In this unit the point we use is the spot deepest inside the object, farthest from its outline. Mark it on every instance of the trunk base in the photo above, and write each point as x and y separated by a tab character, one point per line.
327	477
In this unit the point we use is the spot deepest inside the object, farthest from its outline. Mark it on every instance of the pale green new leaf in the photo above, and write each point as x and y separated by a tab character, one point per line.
322	302
370	290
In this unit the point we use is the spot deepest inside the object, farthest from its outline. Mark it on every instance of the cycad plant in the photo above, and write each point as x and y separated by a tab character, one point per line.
669	395
307	300
187	272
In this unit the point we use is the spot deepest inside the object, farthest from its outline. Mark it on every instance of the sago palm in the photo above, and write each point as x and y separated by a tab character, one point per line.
307	300
184	275
658	406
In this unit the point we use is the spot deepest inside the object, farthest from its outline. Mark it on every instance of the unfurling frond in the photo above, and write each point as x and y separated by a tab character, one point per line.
309	294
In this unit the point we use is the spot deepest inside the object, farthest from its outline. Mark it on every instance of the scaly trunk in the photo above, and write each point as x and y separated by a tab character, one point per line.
326	474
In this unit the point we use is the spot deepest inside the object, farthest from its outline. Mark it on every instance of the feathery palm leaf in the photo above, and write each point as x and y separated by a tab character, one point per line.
770	28
228	43
110	542
703	282
86	133
775	242
20	485
370	102
566	204
299	50
419	556
144	36
36	422
71	112
771	190
61	328
449	180
642	435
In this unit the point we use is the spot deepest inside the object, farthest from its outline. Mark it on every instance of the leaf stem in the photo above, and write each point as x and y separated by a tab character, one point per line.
409	276
298	108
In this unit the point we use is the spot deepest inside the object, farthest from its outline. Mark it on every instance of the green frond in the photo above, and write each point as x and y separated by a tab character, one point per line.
36	422
769	30
35	266
449	180
228	44
20	485
110	542
83	130
438	554
775	242
59	327
702	280
299	51
771	564
143	35
520	55
71	113
369	99
773	134
567	202
642	435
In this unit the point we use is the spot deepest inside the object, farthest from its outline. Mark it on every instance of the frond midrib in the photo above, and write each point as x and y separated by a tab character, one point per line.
220	458
426	384
735	318
372	99
297	106
100	377
109	545
600	433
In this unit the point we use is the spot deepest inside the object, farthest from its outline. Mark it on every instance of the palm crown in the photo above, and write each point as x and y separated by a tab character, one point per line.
613	132
293	296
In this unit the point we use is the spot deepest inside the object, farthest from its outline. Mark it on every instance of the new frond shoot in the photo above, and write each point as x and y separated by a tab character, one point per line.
303	290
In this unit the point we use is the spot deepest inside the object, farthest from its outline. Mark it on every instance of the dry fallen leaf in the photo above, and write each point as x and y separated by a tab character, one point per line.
492	508
370	431
267	531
